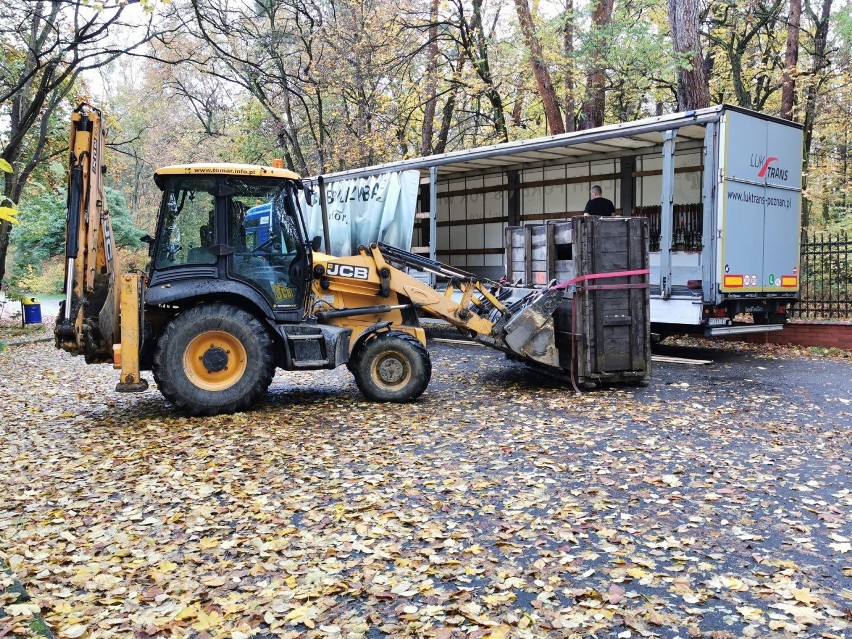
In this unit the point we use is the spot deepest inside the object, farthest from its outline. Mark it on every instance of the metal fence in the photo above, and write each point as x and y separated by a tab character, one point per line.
826	277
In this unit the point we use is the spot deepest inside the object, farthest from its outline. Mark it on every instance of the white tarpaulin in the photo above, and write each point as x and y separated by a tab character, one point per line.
364	210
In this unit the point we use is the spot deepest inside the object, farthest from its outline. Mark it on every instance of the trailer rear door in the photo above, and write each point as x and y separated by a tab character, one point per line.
761	206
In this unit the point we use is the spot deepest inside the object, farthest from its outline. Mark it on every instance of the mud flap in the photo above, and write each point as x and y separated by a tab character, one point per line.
530	332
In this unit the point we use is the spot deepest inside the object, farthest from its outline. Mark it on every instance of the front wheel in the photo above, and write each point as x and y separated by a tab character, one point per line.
392	367
214	359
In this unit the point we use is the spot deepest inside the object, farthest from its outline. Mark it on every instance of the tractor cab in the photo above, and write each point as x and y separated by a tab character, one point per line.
234	230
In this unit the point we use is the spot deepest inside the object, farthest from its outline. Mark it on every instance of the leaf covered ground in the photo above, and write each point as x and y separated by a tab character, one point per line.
714	503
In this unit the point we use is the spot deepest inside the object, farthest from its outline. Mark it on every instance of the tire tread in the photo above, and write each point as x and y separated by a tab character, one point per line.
169	385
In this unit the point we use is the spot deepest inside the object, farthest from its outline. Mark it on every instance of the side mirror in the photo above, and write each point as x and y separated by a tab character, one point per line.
309	193
316	243
150	242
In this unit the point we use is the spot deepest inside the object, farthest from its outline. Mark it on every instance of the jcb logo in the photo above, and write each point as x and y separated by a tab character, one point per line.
345	270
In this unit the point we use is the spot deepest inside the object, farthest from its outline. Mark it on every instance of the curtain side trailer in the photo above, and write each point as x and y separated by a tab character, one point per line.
721	188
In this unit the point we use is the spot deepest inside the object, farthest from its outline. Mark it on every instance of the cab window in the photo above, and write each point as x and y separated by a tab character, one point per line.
264	239
189	223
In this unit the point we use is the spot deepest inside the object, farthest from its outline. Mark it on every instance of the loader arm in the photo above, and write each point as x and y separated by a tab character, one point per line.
97	295
371	288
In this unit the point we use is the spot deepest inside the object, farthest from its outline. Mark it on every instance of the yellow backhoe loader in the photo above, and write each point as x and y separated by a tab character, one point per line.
236	289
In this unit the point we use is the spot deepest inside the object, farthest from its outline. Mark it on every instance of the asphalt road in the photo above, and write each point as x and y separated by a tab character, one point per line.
715	502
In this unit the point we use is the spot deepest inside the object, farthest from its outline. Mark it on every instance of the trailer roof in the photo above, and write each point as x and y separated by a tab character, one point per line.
627	138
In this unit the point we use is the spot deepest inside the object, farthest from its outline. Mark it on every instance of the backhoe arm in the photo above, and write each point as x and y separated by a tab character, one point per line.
89	316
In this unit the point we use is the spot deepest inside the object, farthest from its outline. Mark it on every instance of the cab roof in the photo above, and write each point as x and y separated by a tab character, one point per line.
221	169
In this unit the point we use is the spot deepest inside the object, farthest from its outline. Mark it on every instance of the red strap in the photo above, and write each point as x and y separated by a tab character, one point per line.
598	276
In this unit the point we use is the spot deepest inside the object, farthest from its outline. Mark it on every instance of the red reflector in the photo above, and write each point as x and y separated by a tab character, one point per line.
693	284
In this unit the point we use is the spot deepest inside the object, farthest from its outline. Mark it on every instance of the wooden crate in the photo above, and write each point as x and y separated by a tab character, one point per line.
536	254
613	325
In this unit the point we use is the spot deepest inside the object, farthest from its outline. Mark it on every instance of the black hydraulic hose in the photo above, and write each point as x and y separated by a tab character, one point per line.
72	221
365	310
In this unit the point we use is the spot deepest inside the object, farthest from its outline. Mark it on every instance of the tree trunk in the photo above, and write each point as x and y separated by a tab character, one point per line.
594	106
542	74
449	108
5	231
431	82
568	53
693	91
820	63
478	52
791	60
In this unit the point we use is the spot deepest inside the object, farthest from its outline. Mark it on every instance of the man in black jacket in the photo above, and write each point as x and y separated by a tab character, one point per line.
599	205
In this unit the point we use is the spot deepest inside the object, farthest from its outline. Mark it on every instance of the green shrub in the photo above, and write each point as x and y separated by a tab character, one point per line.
40	236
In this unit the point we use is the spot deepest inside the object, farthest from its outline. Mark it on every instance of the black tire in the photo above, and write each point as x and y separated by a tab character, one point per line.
392	367
223	338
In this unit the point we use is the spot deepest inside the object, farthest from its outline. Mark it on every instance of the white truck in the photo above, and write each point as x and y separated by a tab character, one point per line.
721	187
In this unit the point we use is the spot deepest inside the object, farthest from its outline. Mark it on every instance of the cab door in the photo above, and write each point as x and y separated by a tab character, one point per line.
267	251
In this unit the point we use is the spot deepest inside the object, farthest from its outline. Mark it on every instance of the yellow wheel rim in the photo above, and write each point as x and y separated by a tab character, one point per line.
390	370
214	361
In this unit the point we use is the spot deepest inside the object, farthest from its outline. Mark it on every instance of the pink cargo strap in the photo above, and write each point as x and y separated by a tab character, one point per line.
599	276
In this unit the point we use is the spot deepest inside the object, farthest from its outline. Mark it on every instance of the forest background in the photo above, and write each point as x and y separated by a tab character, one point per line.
336	84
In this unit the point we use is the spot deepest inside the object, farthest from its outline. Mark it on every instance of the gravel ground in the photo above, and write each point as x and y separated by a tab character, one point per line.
715	502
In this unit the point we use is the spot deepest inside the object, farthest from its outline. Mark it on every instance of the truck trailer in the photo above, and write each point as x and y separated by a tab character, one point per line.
720	186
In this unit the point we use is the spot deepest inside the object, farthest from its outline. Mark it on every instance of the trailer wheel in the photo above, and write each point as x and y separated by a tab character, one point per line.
392	367
214	359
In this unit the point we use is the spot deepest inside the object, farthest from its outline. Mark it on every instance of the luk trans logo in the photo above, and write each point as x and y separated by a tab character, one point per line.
768	167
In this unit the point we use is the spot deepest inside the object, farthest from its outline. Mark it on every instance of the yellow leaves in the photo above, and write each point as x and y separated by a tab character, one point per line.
16	563
499	598
23	609
499	632
242	557
208	543
803	595
167	566
749	613
637	572
105	581
727	582
74	631
801	614
190	612
512	582
206	621
302	615
5	166
9	214
673	481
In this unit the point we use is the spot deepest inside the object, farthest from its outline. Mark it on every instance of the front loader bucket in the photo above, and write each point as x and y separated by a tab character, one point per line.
529	332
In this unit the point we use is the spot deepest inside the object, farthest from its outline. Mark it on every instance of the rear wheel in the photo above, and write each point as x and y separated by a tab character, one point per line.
392	367
213	359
